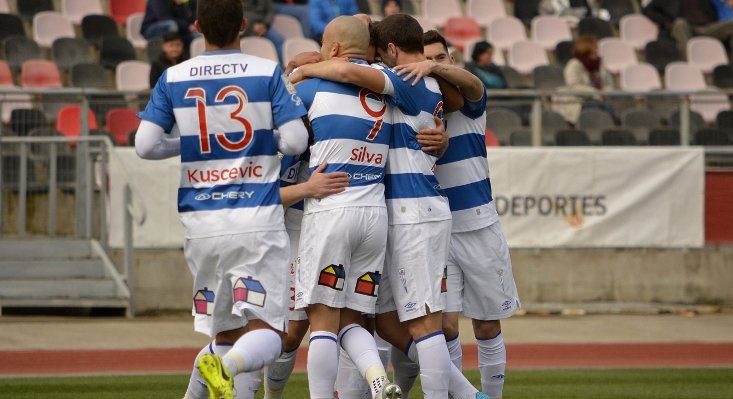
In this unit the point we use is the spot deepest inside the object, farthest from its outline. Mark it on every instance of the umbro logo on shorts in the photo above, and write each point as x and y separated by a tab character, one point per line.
332	276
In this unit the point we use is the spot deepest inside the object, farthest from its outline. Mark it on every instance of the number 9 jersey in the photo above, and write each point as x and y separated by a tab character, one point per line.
226	105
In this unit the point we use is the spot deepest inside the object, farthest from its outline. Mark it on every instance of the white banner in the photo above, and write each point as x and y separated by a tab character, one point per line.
547	197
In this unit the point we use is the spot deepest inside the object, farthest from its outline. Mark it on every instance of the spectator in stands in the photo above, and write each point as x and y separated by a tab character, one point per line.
585	73
297	9
163	16
390	7
724	9
484	68
259	15
324	11
172	54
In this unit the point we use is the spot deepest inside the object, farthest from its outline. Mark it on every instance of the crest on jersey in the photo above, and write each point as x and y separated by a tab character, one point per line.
332	276
203	302
291	90
368	284
444	281
250	291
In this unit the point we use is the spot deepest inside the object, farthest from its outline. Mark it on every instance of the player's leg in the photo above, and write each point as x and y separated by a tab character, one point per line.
491	356
323	350
278	373
350	384
453	307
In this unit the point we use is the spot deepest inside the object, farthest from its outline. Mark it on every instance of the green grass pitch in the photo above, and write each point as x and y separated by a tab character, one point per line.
543	384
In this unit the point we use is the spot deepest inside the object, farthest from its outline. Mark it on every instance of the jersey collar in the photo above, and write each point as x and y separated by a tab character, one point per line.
358	61
220	52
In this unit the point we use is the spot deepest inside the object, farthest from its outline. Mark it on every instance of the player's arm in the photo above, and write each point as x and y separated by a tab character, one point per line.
309	57
319	185
434	140
343	72
151	142
452	97
470	85
293	137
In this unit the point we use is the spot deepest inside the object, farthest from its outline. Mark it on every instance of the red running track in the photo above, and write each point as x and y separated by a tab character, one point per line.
521	356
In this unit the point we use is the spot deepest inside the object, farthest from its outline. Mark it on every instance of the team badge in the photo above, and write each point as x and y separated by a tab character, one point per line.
203	302
250	291
444	281
368	284
333	277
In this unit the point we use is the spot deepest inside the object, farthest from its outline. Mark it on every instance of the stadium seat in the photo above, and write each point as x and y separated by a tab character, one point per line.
49	26
490	139
640	122
514	79
425	23
154	49
641	77
564	52
571	138
6	76
260	47
40	74
504	32
295	46
552	122
661	53
616	54
287	26
618	137
439	11
458	31
121	9
680	76
709	105
706	53
96	28
502	122
19	49
724	120
697	122
521	138
594	122
29	8
115	50
549	30
120	122
498	56
618	9
68	52
485	11
68	121
100	104
11	25
12	101
197	47
659	137
133	76
638	30
526	10
75	10
711	137
591	26
22	121
723	76
89	75
526	56
132	30
548	77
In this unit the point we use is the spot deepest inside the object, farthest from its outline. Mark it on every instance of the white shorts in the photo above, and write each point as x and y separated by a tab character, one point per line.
295	314
415	273
341	258
237	278
480	279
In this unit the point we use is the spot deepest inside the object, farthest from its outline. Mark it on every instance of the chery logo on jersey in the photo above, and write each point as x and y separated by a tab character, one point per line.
224	196
224	175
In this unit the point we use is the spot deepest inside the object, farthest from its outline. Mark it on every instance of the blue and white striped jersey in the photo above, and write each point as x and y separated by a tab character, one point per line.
412	191
225	105
463	171
352	129
294	170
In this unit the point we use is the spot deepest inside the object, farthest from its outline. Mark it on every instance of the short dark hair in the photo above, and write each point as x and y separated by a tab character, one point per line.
480	48
401	30
220	20
432	37
171	37
373	33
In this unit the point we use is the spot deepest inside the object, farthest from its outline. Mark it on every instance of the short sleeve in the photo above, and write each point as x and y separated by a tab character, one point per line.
286	105
160	107
307	91
474	109
403	94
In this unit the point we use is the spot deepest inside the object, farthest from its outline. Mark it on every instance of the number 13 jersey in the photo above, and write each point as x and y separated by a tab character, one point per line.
226	105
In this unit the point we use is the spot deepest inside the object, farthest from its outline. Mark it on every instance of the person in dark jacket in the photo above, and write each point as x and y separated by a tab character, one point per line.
297	9
172	54
259	15
484	68
163	16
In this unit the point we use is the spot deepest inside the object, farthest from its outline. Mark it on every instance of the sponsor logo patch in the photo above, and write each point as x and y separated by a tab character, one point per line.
368	284
203	302
250	291
332	276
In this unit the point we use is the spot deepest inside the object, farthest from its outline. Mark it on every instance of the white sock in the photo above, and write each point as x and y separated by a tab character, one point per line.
405	370
253	351
362	350
455	351
245	384
196	385
322	364
458	385
278	373
492	364
384	348
350	384
435	365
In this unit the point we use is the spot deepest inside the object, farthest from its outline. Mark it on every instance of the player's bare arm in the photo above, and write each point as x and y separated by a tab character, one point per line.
341	71
319	185
434	140
308	57
471	86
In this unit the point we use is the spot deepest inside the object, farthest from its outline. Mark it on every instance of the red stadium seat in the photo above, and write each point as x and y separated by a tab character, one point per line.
40	74
69	121
458	31
120	122
6	77
491	140
121	9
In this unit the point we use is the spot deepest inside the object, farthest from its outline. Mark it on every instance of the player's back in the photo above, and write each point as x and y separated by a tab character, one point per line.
352	129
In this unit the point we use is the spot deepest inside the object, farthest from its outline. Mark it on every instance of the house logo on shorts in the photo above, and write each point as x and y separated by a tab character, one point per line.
203	302
368	284
444	281
333	277
250	291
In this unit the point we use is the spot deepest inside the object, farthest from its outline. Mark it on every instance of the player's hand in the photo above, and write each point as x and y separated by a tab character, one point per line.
296	76
321	185
309	57
417	70
435	140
